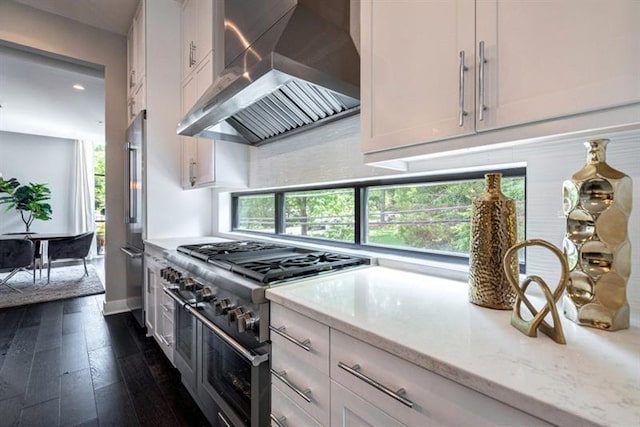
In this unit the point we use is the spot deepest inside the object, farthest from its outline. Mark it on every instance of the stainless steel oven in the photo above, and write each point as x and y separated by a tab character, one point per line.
222	320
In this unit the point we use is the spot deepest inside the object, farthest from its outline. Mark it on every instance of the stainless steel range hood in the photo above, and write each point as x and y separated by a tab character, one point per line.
289	66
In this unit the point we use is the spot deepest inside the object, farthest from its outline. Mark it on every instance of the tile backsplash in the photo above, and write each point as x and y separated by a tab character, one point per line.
332	153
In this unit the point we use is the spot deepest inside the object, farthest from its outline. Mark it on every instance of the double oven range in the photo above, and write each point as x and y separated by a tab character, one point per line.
222	345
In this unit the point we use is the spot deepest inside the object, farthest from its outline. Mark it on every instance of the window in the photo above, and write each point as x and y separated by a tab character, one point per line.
100	201
430	215
327	214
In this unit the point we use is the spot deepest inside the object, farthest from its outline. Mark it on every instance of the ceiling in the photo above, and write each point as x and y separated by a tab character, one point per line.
36	91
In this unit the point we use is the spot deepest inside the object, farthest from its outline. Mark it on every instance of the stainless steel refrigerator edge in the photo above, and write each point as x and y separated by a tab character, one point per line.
134	215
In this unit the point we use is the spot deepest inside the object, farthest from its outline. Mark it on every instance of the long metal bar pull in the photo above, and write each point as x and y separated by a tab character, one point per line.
281	376
462	69
482	60
278	421
255	359
223	420
281	331
397	395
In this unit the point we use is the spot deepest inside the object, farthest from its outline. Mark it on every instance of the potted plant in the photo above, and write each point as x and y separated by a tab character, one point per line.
29	200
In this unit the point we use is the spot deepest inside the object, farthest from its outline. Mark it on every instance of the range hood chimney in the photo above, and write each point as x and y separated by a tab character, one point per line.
289	66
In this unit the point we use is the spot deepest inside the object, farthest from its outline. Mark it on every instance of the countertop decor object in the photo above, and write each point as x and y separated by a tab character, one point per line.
530	327
597	205
493	232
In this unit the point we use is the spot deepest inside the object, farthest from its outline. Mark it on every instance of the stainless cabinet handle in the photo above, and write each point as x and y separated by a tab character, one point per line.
164	340
192	54
278	421
397	395
133	253
281	376
192	172
281	331
462	69
132	78
224	421
482	60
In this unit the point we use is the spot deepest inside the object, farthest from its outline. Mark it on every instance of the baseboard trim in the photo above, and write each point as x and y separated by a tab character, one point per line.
114	307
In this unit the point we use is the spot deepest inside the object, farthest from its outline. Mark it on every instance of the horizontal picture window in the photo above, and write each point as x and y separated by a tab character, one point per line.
428	215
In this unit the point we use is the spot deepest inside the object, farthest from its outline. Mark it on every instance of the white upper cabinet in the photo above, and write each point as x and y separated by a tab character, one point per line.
437	71
136	62
547	59
199	57
207	163
411	85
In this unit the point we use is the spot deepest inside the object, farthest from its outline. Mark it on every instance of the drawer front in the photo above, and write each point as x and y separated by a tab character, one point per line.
288	413
304	385
297	332
434	400
349	410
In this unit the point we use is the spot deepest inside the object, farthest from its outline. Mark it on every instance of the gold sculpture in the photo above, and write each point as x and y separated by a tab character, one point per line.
530	327
493	231
597	205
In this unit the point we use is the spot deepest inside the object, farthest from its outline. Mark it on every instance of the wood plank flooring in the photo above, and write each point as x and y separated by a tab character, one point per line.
64	364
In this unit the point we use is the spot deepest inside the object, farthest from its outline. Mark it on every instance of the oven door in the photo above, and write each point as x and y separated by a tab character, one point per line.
185	351
236	378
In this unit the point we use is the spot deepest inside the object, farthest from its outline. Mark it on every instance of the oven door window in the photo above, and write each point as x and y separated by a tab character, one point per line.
228	374
185	336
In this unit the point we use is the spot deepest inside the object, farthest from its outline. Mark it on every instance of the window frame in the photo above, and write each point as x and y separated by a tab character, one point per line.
360	189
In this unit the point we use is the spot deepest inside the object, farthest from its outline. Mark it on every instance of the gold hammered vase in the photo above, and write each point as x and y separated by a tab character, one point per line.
493	232
597	205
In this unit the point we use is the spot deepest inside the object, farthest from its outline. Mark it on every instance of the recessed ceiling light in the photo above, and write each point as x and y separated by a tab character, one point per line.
78	86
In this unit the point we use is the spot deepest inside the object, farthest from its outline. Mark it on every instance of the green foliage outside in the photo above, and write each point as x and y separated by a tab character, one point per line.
99	171
29	200
433	217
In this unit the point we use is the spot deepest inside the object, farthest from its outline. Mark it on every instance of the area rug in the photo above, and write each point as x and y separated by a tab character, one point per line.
66	282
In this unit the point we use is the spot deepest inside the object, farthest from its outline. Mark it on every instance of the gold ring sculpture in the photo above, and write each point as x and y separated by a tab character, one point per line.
530	327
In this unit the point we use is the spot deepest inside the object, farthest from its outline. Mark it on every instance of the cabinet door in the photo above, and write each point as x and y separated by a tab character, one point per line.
188	36
139	37
130	62
189	161
553	58
204	75
189	93
350	410
150	295
204	29
206	172
411	71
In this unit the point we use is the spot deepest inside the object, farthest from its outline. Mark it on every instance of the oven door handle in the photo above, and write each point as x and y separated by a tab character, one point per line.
255	359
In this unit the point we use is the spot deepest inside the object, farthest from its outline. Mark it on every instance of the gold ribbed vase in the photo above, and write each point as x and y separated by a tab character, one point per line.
597	205
493	232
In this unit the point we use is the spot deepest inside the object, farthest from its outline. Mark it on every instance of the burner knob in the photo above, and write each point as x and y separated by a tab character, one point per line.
187	284
205	295
247	322
236	313
223	306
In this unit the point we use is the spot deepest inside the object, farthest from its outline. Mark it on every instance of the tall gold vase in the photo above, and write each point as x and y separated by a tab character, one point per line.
493	232
597	205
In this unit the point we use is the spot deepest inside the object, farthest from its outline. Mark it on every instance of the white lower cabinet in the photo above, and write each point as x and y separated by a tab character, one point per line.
413	395
321	376
350	410
158	306
285	413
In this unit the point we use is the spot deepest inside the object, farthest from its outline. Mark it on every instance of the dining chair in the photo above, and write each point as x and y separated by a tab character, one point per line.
75	247
16	255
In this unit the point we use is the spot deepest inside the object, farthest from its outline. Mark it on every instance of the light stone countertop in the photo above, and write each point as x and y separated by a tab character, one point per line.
592	380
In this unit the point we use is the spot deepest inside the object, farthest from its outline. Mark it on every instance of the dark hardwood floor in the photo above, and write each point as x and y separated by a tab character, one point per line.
63	363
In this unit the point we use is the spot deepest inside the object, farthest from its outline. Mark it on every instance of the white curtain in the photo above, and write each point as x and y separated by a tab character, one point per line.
83	190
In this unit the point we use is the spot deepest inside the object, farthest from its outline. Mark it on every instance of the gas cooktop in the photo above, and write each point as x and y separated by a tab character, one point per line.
268	263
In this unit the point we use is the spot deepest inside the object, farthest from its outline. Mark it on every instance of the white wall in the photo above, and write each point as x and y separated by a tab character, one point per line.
38	159
332	153
51	33
171	211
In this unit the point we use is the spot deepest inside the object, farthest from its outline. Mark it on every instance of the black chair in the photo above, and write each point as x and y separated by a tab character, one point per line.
15	255
75	247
